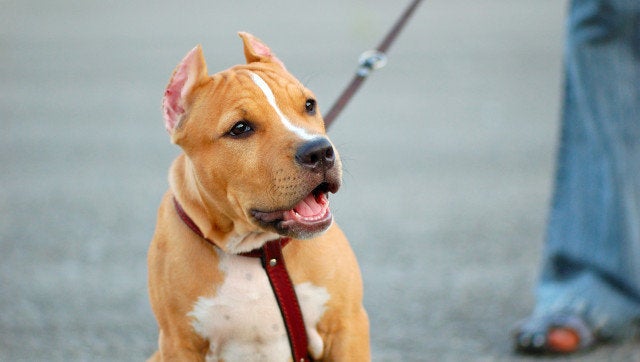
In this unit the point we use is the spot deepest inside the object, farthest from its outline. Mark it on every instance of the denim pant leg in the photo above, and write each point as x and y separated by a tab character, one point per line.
591	260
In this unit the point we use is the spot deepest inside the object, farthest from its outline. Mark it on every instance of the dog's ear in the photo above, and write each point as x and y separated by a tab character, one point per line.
191	72
256	51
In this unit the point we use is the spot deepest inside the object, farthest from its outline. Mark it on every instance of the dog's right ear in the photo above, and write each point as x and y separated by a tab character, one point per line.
189	74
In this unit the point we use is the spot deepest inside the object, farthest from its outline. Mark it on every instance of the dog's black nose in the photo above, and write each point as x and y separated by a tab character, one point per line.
316	155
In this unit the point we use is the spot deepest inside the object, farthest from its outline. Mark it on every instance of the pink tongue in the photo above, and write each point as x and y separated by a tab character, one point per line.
309	206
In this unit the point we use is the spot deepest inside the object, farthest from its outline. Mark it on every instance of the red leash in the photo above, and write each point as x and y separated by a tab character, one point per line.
273	263
369	61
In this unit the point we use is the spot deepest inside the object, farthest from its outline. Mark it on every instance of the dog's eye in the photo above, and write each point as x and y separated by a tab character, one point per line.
241	129
310	106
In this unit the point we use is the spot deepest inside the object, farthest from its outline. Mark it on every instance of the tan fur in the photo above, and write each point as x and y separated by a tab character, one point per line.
218	180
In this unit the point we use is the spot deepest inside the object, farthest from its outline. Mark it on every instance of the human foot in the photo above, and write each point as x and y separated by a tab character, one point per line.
553	334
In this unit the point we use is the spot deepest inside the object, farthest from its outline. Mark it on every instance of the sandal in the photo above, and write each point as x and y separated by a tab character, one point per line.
553	334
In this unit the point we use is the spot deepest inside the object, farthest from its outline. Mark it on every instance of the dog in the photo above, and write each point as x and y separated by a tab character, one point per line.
256	166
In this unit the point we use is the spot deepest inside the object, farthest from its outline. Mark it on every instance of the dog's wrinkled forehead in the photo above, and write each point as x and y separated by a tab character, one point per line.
271	99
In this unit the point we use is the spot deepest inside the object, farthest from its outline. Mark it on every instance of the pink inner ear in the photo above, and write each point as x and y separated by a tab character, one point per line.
260	49
181	83
172	99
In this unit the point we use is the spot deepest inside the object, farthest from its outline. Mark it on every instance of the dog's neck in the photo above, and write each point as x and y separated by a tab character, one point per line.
218	222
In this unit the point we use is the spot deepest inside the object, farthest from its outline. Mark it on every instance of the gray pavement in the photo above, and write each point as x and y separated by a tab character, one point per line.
448	154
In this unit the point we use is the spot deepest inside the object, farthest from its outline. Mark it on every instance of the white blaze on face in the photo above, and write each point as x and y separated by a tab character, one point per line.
301	132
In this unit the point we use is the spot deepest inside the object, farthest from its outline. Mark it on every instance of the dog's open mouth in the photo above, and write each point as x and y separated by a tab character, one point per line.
309	216
313	208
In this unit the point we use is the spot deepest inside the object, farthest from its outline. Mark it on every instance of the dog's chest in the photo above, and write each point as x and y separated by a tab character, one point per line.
243	322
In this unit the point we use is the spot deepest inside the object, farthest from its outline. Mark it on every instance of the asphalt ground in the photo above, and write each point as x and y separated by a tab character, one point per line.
448	154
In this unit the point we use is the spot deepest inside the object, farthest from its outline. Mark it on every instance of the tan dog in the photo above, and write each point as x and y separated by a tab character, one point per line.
257	165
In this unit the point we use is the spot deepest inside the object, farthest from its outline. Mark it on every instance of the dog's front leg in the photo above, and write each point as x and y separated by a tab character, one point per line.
179	349
351	342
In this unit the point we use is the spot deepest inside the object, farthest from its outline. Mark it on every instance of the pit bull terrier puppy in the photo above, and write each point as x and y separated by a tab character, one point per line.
257	165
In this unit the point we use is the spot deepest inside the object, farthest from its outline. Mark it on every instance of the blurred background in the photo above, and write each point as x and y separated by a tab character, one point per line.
448	154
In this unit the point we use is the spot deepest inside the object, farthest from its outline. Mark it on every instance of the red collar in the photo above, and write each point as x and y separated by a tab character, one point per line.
273	263
255	253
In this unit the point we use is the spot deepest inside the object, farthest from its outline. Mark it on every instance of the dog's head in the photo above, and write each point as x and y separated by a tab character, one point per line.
256	146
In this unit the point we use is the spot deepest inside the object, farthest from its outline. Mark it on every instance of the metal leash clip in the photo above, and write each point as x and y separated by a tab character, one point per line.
369	61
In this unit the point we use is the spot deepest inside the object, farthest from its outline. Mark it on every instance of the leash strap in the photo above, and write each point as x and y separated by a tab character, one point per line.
369	61
273	263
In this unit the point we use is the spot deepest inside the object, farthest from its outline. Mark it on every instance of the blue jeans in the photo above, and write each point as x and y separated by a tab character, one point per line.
591	260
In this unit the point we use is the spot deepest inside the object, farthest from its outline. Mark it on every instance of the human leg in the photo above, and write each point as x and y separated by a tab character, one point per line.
590	281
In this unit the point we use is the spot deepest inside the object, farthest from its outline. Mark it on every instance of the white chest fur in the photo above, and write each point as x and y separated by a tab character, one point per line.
242	321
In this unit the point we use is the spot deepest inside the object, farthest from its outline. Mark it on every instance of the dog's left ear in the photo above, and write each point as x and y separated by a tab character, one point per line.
256	51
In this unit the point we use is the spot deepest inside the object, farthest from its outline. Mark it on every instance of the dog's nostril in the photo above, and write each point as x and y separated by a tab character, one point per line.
329	154
316	155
